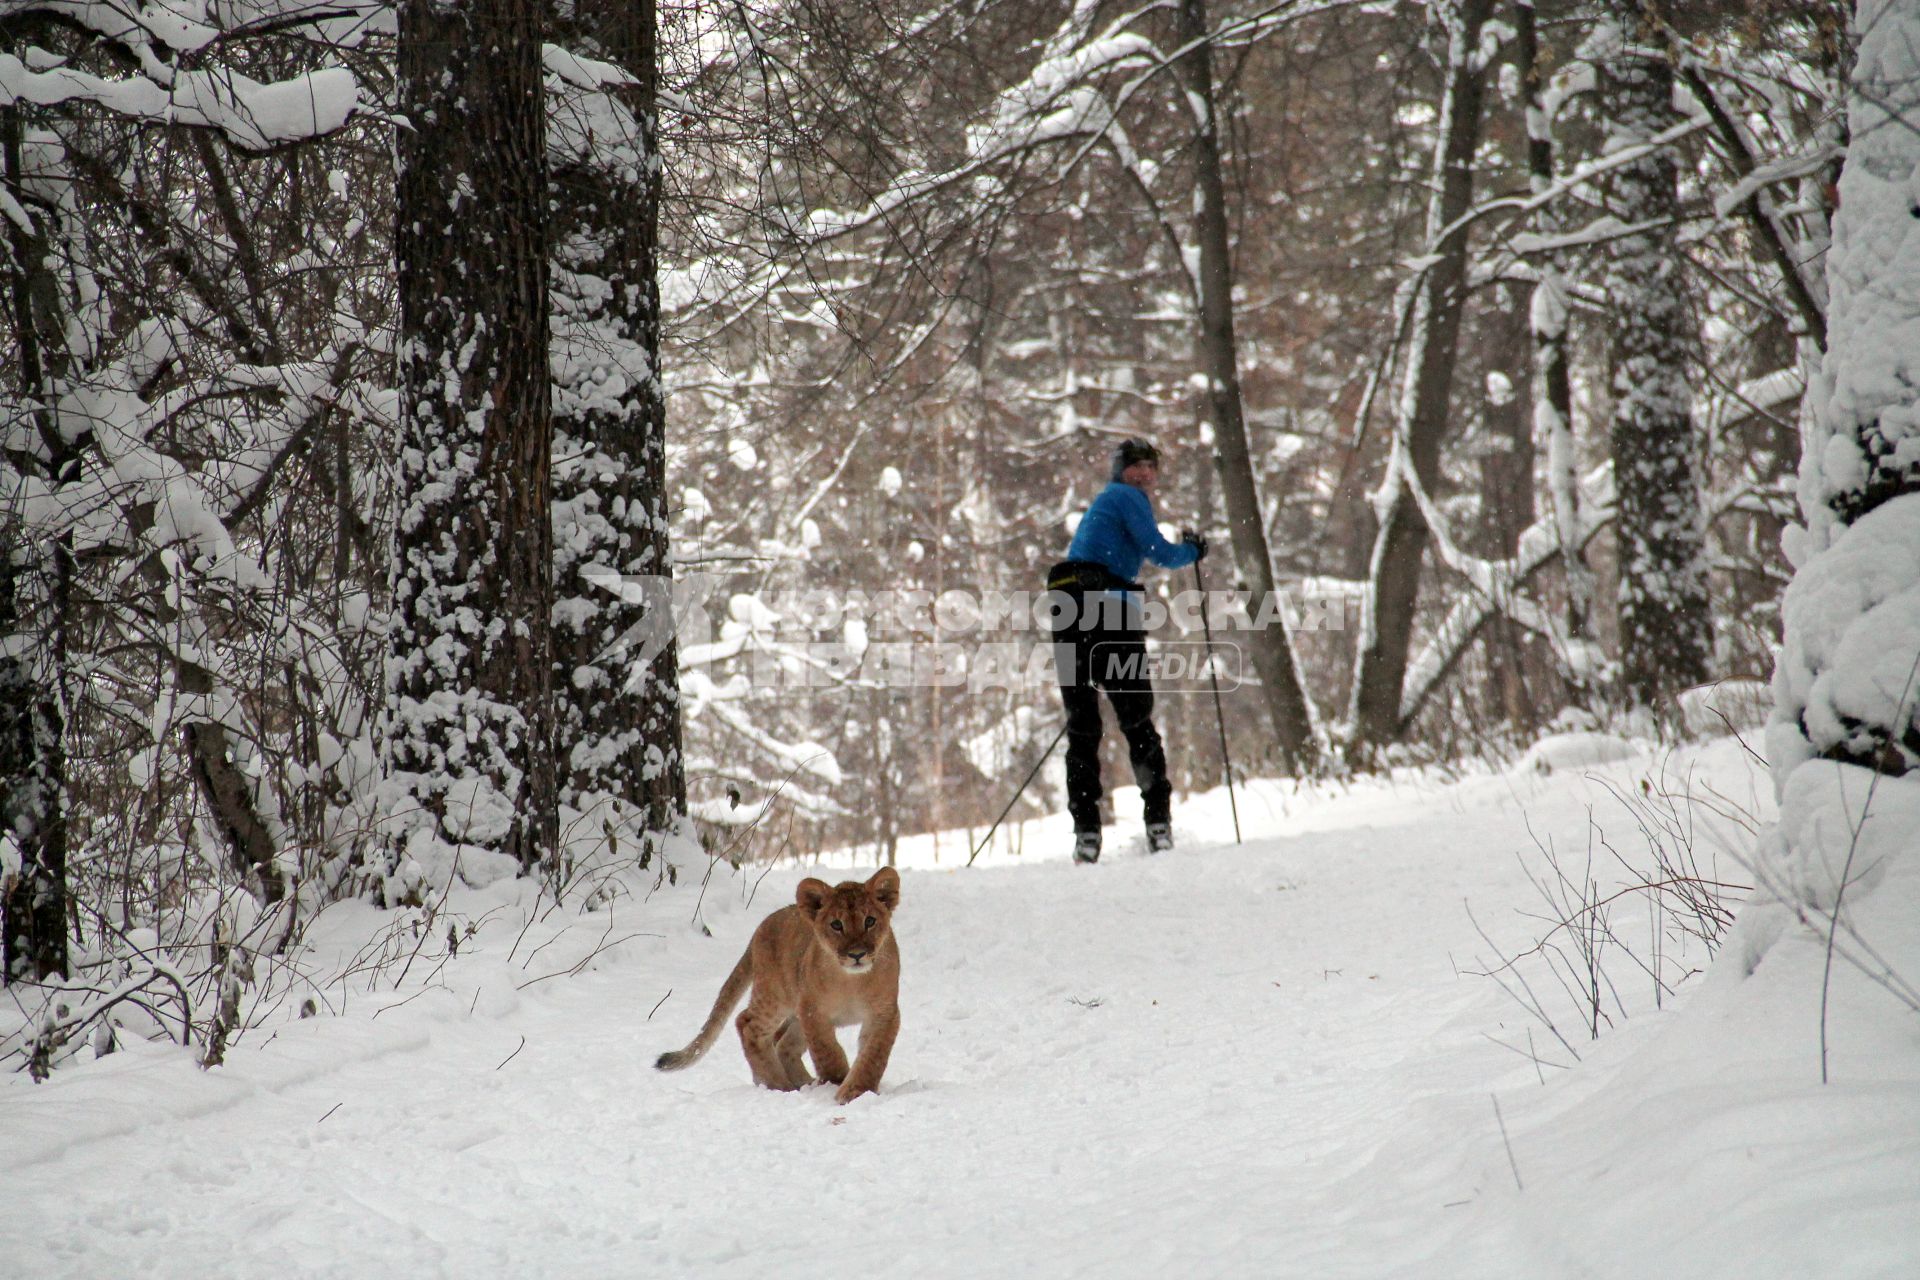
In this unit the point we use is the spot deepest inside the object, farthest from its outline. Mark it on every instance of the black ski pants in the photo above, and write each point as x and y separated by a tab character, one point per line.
1098	650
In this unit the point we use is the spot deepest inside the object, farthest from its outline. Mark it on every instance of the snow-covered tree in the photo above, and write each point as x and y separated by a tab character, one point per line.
1217	353
616	679
36	576
469	719
1548	322
1665	636
1844	741
1434	305
35	802
177	360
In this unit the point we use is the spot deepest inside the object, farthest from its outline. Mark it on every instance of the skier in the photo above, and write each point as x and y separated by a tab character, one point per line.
1100	643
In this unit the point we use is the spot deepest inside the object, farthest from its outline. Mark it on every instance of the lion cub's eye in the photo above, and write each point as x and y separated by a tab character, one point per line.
869	922
838	927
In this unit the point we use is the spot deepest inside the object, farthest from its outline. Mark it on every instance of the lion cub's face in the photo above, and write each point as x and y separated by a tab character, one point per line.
851	919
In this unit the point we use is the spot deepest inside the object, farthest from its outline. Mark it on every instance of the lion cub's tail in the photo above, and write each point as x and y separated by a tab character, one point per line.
723	1005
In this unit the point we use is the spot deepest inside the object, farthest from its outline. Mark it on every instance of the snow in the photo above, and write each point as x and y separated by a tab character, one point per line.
1255	1060
1841	824
251	114
1737	704
1866	388
1578	750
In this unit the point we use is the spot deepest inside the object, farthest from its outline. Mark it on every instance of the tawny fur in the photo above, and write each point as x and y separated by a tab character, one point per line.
827	961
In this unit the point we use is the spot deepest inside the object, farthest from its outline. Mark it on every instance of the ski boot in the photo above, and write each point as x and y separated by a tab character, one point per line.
1086	846
1159	837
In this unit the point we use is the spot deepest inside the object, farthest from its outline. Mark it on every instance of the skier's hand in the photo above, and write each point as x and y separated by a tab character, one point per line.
1196	540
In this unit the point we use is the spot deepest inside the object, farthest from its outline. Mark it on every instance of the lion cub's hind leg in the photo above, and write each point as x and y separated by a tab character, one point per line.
790	1046
760	1041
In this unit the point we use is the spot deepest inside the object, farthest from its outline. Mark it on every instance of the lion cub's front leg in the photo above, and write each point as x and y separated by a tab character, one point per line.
828	1058
876	1046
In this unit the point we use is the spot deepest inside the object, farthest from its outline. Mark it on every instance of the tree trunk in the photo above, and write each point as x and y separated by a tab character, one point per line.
616	672
1507	501
36	577
1420	425
1547	316
1506	452
1665	632
1218	355
469	715
251	847
33	779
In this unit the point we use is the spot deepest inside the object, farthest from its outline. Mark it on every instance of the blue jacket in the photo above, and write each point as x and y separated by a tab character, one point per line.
1119	532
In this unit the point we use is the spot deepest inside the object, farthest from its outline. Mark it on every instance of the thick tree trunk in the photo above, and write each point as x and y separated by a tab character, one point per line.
469	717
1218	355
1420	425
33	777
36	577
616	675
1665	632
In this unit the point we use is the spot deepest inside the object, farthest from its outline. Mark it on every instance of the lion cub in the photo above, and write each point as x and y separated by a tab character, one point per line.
827	961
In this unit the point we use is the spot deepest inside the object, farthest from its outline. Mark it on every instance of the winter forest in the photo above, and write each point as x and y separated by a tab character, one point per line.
484	484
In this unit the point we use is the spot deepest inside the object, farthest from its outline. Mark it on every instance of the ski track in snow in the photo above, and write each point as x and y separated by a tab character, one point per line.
1253	1061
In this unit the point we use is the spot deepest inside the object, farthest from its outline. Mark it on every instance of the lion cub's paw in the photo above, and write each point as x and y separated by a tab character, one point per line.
848	1092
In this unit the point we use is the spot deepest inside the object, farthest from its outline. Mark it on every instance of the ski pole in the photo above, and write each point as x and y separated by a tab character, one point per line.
1017	794
1226	761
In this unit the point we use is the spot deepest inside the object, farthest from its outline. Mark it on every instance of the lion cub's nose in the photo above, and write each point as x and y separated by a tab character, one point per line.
857	957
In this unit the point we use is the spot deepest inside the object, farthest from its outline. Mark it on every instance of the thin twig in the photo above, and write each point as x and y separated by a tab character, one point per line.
1511	1162
1901	716
516	1053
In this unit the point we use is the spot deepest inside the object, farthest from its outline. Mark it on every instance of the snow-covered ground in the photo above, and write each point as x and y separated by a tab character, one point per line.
1257	1060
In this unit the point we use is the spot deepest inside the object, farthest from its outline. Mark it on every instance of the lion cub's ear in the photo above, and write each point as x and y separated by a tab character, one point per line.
885	887
812	895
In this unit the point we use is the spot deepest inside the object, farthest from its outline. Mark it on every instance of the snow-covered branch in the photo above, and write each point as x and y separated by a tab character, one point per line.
252	115
1498	587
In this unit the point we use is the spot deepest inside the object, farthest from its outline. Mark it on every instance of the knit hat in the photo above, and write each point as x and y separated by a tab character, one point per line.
1130	451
